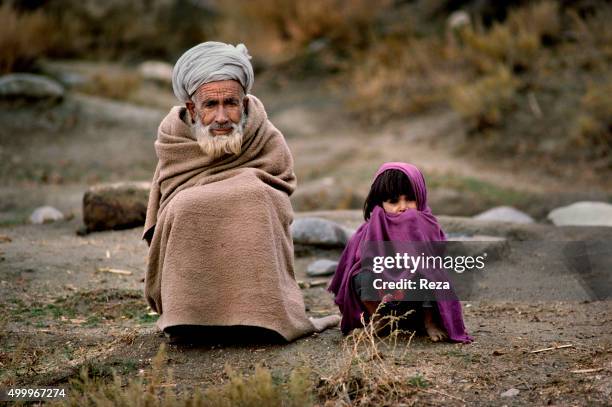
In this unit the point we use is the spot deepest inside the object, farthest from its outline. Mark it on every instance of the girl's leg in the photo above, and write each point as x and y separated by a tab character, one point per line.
434	331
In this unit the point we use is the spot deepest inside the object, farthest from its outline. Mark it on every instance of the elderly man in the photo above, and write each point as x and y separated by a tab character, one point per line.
220	248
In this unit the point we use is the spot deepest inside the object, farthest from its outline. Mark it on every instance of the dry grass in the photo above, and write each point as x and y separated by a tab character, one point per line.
398	78
23	38
594	124
528	80
527	84
281	30
517	42
484	102
157	388
373	369
115	83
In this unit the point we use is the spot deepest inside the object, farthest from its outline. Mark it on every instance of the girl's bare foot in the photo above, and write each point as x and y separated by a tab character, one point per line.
321	324
434	332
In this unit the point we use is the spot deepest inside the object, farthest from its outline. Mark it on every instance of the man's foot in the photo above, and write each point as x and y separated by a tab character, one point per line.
434	332
321	324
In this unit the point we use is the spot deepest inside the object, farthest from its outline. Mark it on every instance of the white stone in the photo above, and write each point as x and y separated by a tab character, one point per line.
30	87
584	213
45	214
156	71
321	267
505	214
511	392
458	19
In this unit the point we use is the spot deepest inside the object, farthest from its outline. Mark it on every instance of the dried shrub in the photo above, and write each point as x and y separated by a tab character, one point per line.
113	83
23	38
290	28
259	389
516	42
398	78
592	49
594	124
372	368
157	389
484	102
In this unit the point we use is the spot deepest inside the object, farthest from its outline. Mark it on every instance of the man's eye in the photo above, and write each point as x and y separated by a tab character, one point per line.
392	201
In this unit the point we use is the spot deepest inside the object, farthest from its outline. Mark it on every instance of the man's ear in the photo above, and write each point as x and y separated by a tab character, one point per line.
245	103
191	109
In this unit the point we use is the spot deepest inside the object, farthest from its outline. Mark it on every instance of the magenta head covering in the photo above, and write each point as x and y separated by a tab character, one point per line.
416	179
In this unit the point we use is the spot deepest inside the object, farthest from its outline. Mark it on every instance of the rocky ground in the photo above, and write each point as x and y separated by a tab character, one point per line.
71	301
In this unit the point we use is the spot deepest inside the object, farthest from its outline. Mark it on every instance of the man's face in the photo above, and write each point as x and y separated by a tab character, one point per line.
218	105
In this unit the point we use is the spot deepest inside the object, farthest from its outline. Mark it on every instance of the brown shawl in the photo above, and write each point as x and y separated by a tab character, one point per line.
220	250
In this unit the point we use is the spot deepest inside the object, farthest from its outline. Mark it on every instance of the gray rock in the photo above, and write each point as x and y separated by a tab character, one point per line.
349	232
121	205
505	214
321	267
511	392
72	79
586	213
45	214
157	71
21	87
318	232
476	245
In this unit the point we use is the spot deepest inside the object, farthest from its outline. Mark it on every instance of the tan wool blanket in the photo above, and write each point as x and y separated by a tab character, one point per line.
220	250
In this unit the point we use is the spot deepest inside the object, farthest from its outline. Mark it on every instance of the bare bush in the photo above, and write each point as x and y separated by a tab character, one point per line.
23	38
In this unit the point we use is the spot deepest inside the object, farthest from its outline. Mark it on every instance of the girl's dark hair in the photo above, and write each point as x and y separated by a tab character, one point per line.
388	186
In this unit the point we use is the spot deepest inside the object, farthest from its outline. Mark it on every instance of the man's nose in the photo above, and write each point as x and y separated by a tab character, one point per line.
221	116
402	205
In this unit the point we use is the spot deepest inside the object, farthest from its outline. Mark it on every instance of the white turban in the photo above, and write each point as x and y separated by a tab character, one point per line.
209	62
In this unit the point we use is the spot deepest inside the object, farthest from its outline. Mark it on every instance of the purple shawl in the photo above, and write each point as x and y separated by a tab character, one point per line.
412	225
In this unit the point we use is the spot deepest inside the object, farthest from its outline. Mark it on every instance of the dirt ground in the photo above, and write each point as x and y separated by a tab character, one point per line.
61	311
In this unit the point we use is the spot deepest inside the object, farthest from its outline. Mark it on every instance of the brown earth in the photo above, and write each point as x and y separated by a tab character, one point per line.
62	313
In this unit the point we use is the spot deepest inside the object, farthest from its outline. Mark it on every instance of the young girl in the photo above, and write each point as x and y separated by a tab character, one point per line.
395	210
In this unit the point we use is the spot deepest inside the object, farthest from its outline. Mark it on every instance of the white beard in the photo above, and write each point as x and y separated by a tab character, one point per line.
215	146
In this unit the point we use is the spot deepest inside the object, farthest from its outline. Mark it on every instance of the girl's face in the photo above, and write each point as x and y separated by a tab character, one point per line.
398	205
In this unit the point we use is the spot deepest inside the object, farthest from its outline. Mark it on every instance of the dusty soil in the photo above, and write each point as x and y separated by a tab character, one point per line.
59	312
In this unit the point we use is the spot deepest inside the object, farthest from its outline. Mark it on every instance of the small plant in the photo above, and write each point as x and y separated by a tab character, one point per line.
418	381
